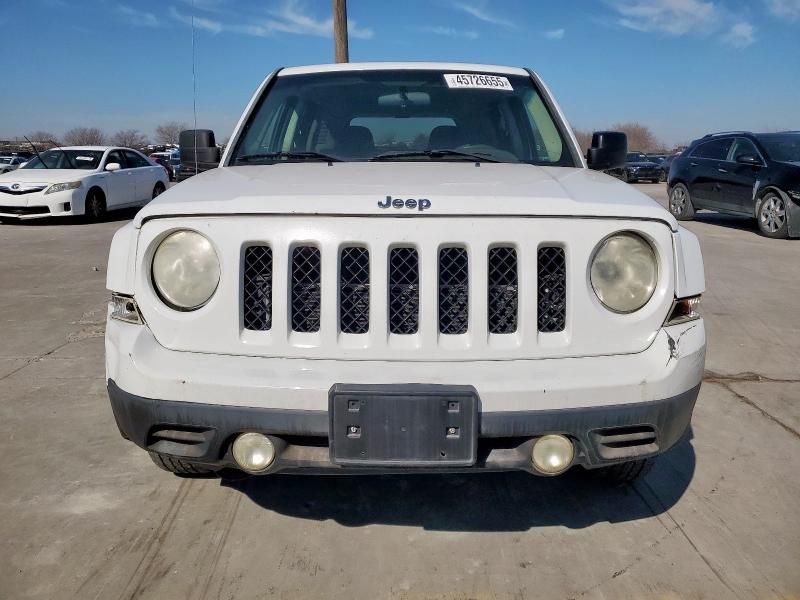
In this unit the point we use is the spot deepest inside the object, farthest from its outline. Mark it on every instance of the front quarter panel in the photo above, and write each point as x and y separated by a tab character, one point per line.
690	277
121	260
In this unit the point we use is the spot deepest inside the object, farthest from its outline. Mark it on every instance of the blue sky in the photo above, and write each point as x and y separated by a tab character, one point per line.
683	67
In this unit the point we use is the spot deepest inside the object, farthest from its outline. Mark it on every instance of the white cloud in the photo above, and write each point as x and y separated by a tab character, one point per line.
480	13
740	35
449	32
673	17
138	18
290	18
685	17
555	34
199	22
789	9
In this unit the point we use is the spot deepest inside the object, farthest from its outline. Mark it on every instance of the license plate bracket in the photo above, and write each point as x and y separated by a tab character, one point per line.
408	425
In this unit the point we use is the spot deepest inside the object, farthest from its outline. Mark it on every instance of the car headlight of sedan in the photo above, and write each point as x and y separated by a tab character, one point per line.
624	272
185	270
63	187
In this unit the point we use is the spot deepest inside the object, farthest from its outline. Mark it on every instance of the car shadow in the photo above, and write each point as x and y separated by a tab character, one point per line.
502	502
115	216
730	221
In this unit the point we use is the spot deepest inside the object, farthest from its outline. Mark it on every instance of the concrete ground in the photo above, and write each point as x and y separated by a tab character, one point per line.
85	514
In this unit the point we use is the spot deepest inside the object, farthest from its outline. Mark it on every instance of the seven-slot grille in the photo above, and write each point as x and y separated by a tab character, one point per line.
403	279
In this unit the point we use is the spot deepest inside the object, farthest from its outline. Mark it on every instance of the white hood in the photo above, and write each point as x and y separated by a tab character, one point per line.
453	189
44	175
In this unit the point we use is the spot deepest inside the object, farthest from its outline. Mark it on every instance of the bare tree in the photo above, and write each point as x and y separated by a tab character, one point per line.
42	136
640	137
129	138
168	133
584	138
84	136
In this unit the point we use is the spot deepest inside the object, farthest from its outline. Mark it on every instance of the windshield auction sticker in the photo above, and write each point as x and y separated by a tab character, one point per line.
476	81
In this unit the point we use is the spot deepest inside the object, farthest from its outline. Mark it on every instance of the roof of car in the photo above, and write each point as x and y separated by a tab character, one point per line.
396	66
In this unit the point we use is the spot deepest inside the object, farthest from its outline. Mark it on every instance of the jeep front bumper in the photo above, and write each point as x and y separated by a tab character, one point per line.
614	408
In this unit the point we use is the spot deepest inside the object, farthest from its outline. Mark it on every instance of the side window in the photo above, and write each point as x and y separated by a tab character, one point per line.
135	161
714	150
743	147
116	157
548	145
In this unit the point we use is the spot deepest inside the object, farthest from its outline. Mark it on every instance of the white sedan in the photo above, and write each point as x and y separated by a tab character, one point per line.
80	181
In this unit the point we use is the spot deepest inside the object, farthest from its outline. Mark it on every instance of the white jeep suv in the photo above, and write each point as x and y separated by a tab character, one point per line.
405	267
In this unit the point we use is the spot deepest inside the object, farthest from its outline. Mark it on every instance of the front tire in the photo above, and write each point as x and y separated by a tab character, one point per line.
158	190
95	208
680	203
662	177
771	216
178	466
624	473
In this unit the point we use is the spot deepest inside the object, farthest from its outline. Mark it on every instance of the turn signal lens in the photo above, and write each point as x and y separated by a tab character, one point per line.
683	310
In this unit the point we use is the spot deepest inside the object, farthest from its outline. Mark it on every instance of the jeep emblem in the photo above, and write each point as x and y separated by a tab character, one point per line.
411	203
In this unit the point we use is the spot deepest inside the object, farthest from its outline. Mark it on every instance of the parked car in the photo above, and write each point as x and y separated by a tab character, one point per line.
80	181
664	166
11	163
741	173
164	162
637	167
482	302
175	161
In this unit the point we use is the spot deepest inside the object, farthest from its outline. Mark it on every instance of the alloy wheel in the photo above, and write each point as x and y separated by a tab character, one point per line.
677	201
772	214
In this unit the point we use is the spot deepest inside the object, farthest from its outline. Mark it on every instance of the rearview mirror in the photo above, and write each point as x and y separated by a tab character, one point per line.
113	167
748	159
608	150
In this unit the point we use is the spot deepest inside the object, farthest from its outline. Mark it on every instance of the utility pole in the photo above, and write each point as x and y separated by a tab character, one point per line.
340	31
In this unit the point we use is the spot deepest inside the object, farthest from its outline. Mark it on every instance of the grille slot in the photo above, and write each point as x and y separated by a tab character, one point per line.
552	284
257	288
354	290
306	289
403	291
453	290
503	290
625	442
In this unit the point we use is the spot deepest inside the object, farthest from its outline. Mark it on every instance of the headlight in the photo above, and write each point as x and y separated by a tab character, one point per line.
185	270
63	187
624	272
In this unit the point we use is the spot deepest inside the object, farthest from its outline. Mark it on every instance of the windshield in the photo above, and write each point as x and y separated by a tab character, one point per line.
783	147
356	116
66	159
6	160
636	157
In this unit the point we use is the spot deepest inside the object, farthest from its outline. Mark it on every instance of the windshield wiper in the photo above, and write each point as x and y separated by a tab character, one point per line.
288	155
37	153
477	156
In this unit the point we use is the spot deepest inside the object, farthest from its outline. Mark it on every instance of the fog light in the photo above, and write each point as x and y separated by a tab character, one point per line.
552	454
253	452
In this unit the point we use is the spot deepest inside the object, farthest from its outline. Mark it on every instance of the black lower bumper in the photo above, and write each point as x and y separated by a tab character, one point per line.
203	433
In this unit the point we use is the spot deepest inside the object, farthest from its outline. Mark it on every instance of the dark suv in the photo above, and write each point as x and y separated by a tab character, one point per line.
742	173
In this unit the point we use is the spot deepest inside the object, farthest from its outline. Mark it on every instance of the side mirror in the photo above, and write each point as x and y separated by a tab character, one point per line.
748	159
113	167
608	151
